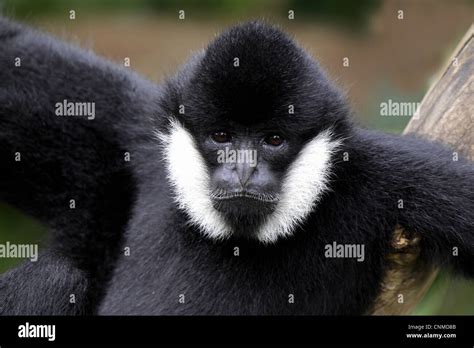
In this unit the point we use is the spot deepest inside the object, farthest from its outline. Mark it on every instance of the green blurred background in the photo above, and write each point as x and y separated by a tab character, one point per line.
389	58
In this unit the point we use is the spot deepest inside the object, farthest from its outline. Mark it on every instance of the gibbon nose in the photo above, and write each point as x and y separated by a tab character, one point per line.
244	172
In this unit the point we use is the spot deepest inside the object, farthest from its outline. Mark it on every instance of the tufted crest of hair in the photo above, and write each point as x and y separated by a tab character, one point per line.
251	74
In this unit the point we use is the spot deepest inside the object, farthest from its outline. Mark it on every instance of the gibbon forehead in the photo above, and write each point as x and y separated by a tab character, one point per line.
252	154
255	74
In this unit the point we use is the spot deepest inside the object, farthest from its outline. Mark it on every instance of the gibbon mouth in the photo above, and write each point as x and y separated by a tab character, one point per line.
244	204
244	195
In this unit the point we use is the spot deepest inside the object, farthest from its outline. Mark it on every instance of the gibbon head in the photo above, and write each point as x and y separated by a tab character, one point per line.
254	124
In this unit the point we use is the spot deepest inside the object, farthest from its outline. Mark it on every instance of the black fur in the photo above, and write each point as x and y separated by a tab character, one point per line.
63	159
83	159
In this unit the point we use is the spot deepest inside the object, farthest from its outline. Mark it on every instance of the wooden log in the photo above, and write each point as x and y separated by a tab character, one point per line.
446	114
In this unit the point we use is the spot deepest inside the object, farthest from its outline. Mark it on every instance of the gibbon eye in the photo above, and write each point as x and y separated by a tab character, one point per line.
221	137
274	140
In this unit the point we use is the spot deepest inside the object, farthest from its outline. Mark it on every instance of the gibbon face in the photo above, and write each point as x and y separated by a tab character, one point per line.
251	152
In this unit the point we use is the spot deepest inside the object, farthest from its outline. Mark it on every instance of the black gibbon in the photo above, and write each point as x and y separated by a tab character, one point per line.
220	191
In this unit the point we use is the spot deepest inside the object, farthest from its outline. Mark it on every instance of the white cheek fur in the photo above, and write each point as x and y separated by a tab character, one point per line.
303	186
187	173
305	182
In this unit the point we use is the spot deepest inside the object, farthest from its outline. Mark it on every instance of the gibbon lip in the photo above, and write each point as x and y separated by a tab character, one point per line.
226	196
